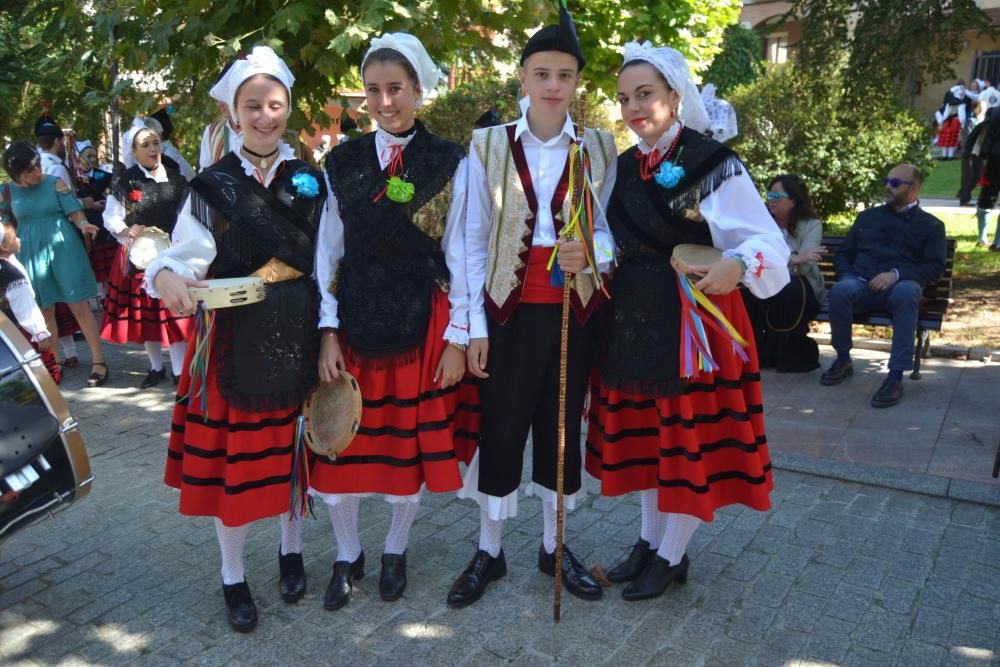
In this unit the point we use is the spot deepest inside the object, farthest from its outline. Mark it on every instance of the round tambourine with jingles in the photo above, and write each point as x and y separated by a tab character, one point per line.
687	255
144	248
332	415
228	292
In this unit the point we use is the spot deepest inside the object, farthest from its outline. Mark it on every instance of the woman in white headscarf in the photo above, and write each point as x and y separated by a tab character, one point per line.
390	245
232	444
676	411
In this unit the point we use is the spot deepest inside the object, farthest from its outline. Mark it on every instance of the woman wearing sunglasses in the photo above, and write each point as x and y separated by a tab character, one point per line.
781	322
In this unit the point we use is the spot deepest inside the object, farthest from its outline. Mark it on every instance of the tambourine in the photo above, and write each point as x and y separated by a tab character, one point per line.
687	255
228	292
144	248
332	415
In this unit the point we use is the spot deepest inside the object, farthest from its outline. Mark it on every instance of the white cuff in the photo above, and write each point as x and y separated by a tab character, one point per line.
456	334
477	325
752	262
149	279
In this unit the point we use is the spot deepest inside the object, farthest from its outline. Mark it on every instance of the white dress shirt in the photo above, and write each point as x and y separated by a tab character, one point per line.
115	211
192	247
546	161
330	246
54	166
171	152
741	226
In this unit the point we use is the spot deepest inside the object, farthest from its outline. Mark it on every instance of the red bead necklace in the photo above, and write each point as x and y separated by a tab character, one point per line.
650	162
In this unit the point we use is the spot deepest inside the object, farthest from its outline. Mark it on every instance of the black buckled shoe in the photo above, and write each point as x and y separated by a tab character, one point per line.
655	578
292	581
632	567
472	583
888	394
338	593
152	378
240	609
838	371
575	576
392	581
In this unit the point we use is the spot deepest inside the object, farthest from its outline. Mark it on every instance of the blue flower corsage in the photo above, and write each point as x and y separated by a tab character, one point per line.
669	175
99	175
305	184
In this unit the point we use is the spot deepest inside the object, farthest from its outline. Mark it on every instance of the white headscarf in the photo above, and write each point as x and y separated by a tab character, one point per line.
128	158
720	113
83	145
674	68
262	60
410	48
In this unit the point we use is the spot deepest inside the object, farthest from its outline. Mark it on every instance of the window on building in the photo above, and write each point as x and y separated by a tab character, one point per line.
777	47
986	66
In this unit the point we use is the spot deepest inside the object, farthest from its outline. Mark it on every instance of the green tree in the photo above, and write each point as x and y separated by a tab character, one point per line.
794	122
739	62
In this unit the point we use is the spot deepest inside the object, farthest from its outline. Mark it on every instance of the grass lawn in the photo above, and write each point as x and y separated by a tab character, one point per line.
973	318
944	180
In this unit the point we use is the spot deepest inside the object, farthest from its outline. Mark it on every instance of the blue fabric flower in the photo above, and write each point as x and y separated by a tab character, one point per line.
305	184
669	175
99	175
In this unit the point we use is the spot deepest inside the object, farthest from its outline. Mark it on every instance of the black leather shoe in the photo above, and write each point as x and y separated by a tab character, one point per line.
632	567
240	609
576	578
177	379
292	581
472	583
838	372
392	582
338	593
655	579
152	379
888	394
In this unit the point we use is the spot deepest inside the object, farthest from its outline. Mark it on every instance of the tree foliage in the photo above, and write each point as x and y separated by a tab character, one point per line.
794	122
739	62
64	51
895	44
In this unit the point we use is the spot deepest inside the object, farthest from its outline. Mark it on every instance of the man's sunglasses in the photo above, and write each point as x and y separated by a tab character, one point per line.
895	182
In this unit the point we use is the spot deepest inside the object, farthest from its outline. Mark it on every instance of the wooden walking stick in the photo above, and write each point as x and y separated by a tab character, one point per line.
578	203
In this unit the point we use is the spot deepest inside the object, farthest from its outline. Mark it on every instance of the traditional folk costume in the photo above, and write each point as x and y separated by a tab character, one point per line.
153	199
234	425
518	204
162	117
17	302
688	436
391	271
95	183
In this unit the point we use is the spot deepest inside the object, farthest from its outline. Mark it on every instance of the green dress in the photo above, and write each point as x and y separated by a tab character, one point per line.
52	251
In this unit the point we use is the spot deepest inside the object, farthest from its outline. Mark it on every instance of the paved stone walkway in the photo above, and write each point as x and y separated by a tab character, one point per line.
837	573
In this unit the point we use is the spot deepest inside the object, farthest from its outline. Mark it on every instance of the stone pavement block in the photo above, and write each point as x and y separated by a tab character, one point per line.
881	545
968	515
898	595
818	579
921	654
943	592
801	611
779	647
829	640
849	603
700	630
932	626
989	554
859	656
919	541
747	566
839	553
727	651
790	559
770	538
770	589
752	623
708	567
724	595
881	630
812	533
910	566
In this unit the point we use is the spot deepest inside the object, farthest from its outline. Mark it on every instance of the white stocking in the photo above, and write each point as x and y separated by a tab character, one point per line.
177	352
403	515
155	353
549	526
653	520
679	530
344	517
490	531
68	345
232	543
291	534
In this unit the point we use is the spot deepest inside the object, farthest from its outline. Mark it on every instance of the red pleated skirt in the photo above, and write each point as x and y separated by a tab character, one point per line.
102	258
228	463
65	321
701	449
412	432
48	356
131	315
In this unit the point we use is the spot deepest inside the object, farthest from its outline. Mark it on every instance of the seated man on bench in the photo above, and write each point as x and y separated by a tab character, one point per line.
890	254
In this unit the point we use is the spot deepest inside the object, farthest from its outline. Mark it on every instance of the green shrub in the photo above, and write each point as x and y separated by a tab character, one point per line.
791	122
738	63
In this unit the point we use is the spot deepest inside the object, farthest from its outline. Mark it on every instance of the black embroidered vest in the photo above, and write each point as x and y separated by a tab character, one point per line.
647	221
147	202
266	353
391	265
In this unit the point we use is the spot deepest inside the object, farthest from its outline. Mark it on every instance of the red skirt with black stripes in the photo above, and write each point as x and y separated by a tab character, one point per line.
131	315
702	449
228	463
412	432
102	258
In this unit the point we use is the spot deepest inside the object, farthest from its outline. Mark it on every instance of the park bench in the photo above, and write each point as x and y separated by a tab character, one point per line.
933	306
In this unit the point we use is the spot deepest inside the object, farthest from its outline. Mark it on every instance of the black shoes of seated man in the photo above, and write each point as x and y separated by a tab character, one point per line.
838	371
341	586
240	609
630	568
888	394
292	579
472	583
575	576
655	578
